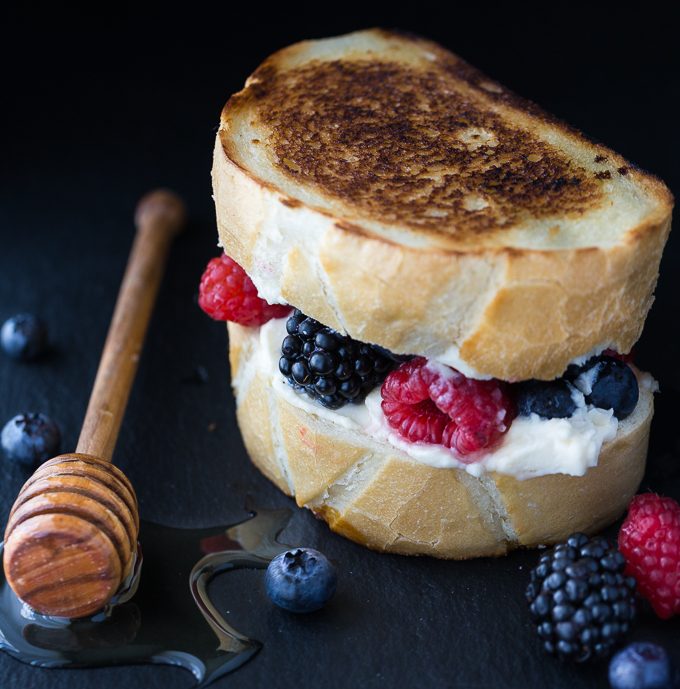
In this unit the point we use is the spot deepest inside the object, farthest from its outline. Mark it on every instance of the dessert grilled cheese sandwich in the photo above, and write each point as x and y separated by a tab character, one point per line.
468	276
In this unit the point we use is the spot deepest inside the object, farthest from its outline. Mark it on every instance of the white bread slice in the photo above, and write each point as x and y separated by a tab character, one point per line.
378	496
385	187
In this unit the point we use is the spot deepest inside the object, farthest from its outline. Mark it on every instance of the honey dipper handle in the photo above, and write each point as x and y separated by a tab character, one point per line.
159	217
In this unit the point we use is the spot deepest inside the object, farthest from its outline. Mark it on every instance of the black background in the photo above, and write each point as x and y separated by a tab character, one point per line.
99	106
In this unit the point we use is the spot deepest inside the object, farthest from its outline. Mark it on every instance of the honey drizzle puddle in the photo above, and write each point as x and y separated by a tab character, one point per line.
164	614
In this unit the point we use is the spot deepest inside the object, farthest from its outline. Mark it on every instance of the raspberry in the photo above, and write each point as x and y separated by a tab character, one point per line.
226	293
650	541
420	422
407	384
439	405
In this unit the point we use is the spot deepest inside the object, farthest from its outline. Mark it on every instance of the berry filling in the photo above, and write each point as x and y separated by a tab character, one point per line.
436	404
226	293
427	402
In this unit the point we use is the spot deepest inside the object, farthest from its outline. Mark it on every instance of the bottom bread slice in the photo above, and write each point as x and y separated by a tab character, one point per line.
376	495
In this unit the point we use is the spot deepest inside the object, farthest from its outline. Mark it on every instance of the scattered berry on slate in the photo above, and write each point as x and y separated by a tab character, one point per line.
580	599
650	541
226	293
641	665
549	399
301	580
439	405
30	438
23	337
330	367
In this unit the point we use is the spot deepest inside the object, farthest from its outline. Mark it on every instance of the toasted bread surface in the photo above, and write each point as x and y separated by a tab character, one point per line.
375	494
400	136
390	190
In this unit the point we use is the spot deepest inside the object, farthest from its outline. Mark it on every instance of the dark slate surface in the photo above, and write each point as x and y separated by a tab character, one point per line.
96	115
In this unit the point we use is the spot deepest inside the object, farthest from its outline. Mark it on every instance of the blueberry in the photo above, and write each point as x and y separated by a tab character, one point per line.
641	665
613	386
23	337
31	438
300	580
549	399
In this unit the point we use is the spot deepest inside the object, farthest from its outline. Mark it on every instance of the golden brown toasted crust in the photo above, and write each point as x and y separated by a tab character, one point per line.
373	132
430	144
376	495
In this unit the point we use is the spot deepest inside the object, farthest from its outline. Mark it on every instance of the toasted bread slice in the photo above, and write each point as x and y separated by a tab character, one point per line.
375	494
388	189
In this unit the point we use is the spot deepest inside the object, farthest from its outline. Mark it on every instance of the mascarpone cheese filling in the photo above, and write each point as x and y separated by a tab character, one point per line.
533	446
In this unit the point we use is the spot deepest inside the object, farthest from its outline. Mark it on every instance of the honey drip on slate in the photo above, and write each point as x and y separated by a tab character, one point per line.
162	615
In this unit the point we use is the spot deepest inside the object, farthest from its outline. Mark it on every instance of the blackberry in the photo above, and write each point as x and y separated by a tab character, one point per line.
330	367
580	599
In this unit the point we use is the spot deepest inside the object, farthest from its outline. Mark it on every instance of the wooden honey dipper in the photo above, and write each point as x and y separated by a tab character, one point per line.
71	537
